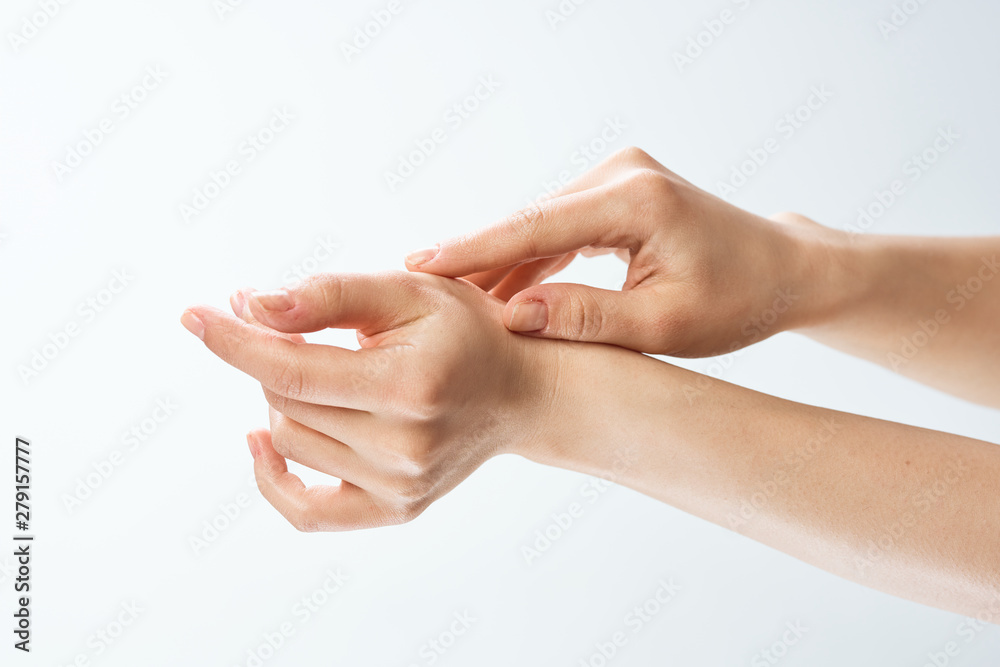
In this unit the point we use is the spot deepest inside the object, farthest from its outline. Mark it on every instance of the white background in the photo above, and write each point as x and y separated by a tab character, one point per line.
62	241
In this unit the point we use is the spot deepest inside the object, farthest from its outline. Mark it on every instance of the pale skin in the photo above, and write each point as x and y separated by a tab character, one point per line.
441	384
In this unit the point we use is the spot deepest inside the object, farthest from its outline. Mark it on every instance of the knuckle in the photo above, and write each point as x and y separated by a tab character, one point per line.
649	182
413	489
421	401
304	524
409	510
524	225
289	381
282	443
305	518
330	290
651	195
277	401
584	321
415	454
634	155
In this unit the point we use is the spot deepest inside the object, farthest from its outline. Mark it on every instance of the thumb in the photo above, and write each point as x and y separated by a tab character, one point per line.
588	314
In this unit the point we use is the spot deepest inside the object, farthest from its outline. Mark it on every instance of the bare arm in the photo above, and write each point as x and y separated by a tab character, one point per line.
911	512
928	308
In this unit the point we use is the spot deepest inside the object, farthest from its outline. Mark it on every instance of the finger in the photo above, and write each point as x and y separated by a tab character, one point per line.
551	228
349	426
314	508
609	168
307	372
319	451
582	313
487	280
367	302
529	274
238	301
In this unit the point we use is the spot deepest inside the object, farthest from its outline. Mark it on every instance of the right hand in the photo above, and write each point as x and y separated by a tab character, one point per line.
704	277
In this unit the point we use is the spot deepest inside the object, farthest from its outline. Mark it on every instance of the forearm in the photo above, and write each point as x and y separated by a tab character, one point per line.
927	308
912	512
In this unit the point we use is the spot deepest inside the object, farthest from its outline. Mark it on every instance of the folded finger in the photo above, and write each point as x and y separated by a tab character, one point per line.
314	508
316	450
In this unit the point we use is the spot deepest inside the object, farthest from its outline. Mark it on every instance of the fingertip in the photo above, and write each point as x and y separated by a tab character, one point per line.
268	462
273	301
418	259
238	301
253	444
528	316
193	323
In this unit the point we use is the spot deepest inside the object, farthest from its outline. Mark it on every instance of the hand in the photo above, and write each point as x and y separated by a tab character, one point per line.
704	277
437	388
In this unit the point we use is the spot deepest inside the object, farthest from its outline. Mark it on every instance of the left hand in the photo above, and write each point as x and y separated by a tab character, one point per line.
439	387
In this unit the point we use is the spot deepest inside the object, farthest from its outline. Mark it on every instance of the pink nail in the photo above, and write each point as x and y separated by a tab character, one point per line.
193	324
254	447
529	316
418	257
277	301
238	302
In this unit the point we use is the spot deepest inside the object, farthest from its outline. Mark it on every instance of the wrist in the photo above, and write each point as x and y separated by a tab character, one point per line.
605	405
832	272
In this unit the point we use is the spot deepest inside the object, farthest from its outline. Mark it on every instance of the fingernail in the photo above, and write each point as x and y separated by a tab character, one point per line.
193	324
252	443
277	301
529	316
238	303
419	257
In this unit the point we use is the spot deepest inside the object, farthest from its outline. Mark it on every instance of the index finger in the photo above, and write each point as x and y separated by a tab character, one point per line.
307	372
594	217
